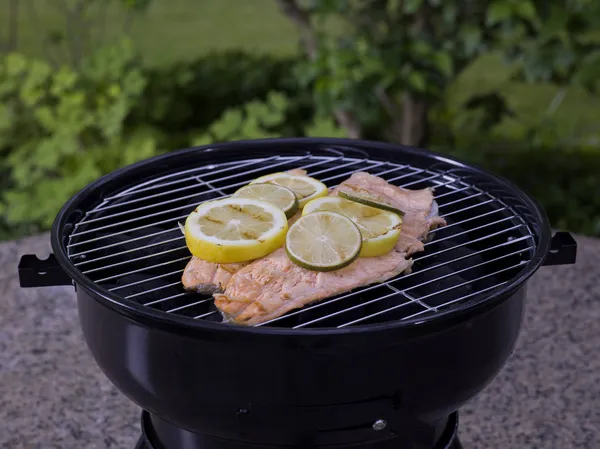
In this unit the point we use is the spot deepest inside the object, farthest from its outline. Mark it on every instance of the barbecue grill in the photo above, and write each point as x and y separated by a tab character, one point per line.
386	365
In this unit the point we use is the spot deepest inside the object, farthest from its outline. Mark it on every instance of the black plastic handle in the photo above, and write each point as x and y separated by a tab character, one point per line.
35	272
563	250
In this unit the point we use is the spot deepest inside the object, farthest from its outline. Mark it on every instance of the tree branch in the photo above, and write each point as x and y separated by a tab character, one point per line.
311	45
414	121
129	15
301	19
388	104
102	21
75	28
414	126
37	25
13	25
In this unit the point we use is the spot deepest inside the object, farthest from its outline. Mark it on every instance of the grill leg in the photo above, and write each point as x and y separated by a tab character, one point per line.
457	444
141	444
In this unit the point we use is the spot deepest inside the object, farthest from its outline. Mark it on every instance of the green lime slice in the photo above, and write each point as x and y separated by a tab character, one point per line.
323	241
367	198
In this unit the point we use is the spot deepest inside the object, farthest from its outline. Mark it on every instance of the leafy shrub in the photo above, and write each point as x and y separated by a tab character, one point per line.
533	153
385	64
185	99
564	181
61	129
253	120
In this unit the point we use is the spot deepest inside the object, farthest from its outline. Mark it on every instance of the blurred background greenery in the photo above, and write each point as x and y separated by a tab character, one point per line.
87	86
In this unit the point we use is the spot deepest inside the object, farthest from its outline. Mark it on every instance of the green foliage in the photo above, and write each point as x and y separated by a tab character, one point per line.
253	120
563	178
564	181
548	42
186	98
61	129
391	54
65	31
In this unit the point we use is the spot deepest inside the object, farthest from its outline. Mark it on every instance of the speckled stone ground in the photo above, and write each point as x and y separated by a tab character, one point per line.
52	395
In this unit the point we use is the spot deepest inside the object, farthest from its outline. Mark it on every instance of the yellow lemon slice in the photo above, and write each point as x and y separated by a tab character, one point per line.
305	187
235	230
380	228
323	241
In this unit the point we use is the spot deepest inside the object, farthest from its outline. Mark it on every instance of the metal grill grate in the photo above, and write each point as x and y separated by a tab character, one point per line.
131	243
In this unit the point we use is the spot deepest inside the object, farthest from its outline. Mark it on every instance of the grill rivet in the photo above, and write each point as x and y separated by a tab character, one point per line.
380	424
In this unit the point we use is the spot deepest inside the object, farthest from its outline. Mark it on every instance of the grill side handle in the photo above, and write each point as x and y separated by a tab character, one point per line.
563	250
35	272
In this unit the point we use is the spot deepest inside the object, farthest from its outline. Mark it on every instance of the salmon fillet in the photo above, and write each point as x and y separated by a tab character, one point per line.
208	277
272	286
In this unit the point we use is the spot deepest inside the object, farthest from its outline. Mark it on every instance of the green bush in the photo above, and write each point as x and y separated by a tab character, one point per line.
185	99
564	181
61	129
533	153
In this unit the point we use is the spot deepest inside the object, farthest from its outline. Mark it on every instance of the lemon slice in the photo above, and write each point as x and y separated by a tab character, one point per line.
367	198
280	196
305	187
380	228
323	241
235	230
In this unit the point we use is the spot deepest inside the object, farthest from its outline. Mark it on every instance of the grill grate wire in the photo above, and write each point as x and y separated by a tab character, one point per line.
132	245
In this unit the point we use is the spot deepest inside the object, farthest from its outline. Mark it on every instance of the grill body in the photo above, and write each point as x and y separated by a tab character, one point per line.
301	380
273	390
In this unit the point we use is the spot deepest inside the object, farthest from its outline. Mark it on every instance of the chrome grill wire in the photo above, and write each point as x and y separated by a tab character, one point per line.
491	229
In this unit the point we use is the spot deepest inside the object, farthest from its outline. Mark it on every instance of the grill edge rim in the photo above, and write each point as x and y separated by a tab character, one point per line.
440	320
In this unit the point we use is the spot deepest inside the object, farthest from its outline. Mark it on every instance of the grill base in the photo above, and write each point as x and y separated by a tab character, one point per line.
166	436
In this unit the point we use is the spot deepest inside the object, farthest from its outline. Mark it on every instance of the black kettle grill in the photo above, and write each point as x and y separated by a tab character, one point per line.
384	366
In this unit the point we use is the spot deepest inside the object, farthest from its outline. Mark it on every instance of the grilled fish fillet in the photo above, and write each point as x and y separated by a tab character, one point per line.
208	277
272	286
